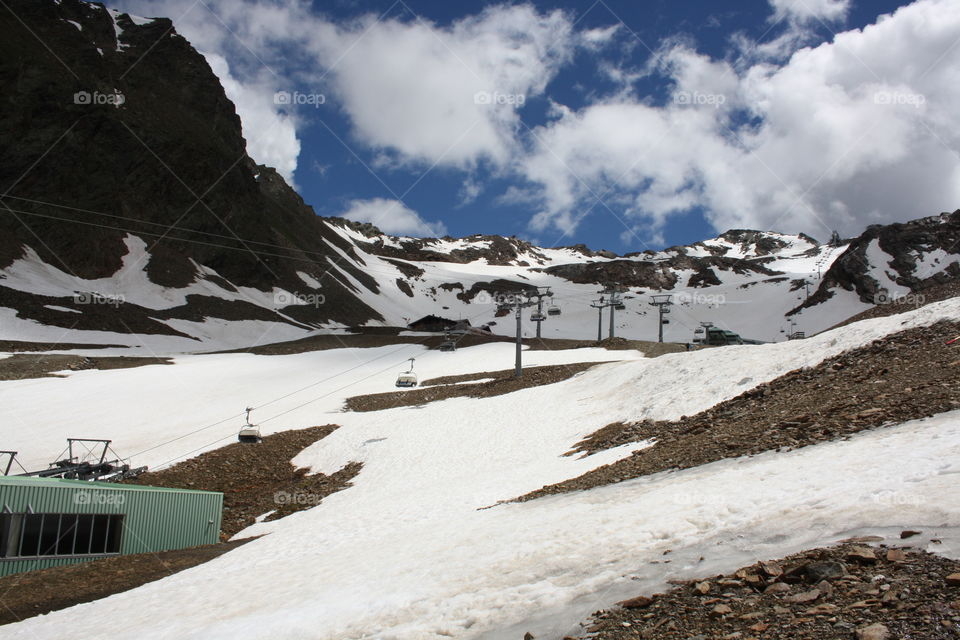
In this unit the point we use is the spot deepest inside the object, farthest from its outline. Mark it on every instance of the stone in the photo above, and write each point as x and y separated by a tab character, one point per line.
953	579
777	587
821	609
896	555
528	636
818	571
760	627
703	588
875	631
772	569
640	602
721	610
804	597
862	555
907	533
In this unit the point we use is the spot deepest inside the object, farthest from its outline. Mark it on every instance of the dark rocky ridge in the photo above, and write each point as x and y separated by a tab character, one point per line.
171	154
661	274
851	271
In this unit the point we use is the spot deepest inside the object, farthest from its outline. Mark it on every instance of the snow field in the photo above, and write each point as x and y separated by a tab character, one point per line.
407	552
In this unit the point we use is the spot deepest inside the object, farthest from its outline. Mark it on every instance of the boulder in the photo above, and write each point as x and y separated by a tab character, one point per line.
875	631
818	571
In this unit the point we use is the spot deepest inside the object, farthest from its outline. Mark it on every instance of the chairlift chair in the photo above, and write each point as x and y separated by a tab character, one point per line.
553	310
536	316
448	345
249	433
407	378
620	306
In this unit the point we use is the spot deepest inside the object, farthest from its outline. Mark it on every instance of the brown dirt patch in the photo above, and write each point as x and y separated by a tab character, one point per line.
822	594
32	594
16	346
446	387
40	365
368	337
902	377
256	478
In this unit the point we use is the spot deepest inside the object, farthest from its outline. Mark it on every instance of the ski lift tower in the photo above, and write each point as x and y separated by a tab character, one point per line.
662	303
614	301
517	302
537	316
599	305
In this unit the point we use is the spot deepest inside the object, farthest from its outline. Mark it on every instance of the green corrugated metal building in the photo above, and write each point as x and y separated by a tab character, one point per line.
48	522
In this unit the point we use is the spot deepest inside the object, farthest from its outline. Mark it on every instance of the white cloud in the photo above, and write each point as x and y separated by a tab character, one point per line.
271	136
423	93
393	217
857	131
810	10
444	95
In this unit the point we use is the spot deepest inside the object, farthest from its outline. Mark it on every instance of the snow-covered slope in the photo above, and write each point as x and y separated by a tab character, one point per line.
407	552
761	285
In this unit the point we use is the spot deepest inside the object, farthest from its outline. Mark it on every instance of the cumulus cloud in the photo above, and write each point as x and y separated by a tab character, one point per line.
808	10
414	92
858	131
444	95
393	217
271	136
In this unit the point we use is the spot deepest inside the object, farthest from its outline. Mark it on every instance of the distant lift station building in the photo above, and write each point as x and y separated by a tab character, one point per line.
46	522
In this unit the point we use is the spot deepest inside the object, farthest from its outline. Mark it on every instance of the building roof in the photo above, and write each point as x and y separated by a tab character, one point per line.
25	481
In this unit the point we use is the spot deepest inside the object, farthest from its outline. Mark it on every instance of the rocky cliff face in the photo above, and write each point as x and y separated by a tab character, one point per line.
890	261
111	126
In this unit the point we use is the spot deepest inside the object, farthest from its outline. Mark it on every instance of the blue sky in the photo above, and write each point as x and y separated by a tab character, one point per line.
619	124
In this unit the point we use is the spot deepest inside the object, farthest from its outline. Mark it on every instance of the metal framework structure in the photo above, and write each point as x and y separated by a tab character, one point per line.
610	296
517	303
662	302
538	317
92	466
11	456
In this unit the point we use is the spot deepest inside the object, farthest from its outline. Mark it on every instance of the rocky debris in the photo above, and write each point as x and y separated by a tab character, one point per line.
901	377
256	479
953	579
880	601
